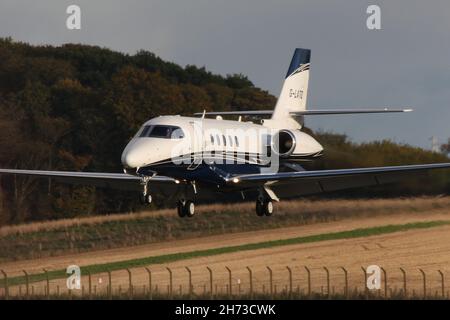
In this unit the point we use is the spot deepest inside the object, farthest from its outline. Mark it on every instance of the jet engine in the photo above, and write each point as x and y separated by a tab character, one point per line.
289	143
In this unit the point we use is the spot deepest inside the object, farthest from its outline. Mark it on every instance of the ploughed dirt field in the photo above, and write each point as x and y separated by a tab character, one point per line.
427	249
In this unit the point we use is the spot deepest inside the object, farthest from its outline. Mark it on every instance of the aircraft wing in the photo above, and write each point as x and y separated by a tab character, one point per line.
120	181
289	184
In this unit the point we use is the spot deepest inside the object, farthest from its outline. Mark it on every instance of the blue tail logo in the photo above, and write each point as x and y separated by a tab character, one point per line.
300	61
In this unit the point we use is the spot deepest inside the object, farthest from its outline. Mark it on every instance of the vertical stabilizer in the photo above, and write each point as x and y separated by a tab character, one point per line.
295	87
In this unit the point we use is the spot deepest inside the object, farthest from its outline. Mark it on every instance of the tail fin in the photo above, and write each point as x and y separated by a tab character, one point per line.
295	87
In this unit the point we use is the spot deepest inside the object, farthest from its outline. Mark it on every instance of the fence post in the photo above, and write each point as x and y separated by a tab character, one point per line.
290	280
130	284
27	282
230	284
424	277
366	290
405	293
442	283
90	284
170	282
270	280
109	285
150	283
190	281
345	281
385	282
328	280
210	281
309	281
47	291
5	277
251	281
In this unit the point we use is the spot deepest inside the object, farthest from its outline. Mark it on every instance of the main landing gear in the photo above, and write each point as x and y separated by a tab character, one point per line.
186	208
264	207
186	205
264	202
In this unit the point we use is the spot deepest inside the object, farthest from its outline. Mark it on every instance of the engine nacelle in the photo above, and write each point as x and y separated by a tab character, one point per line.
295	143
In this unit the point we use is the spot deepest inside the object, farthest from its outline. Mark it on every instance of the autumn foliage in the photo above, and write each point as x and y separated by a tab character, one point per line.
74	107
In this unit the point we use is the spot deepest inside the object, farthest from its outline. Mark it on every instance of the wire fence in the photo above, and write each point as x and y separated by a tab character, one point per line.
290	282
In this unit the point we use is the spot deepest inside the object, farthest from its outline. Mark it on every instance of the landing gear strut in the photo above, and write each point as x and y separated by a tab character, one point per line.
186	208
264	207
146	197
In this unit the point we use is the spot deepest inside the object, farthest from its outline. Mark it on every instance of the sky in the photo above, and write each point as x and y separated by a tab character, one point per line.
406	63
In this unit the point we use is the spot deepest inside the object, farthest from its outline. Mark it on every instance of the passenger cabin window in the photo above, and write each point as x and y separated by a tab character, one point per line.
159	131
230	141
212	139
218	139
236	140
224	140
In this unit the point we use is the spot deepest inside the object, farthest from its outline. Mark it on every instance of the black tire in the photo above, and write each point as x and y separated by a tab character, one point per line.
180	209
189	209
259	208
145	199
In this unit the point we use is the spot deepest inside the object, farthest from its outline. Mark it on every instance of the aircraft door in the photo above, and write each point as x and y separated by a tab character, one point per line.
197	144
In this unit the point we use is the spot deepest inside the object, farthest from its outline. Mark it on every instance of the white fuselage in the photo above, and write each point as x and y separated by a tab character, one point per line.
173	139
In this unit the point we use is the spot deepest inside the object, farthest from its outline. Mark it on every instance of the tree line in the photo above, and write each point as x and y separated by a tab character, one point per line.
74	107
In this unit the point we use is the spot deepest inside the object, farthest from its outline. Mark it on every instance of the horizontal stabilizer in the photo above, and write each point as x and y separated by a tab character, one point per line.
304	113
347	111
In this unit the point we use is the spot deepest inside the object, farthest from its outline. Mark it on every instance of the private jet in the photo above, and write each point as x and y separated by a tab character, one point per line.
187	159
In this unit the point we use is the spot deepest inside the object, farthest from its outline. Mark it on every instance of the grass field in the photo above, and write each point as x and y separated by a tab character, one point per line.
409	233
350	234
38	240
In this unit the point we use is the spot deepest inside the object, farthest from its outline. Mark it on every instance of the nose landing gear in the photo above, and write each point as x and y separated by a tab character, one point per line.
146	197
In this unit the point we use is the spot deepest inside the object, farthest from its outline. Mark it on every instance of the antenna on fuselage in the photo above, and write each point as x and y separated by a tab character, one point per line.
204	113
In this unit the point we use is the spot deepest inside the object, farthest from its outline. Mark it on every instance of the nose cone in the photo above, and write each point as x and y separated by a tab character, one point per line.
132	156
130	159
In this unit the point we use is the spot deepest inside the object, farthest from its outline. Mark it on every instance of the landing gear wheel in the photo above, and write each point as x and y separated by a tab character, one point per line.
180	209
189	209
264	208
145	199
259	208
186	208
268	208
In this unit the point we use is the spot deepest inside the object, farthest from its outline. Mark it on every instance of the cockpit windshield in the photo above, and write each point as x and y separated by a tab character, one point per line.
160	131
